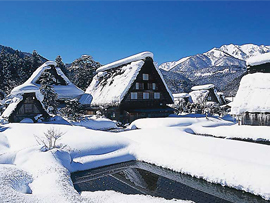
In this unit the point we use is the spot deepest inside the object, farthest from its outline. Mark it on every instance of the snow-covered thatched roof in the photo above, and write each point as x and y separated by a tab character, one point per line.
253	94
114	80
258	60
137	57
198	96
63	91
203	87
12	106
13	102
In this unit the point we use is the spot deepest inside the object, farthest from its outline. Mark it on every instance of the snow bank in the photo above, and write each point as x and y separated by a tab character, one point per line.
253	94
259	59
96	123
236	164
255	133
146	123
116	197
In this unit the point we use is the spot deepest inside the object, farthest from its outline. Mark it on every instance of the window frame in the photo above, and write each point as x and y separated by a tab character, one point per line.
145	76
133	95
155	95
146	95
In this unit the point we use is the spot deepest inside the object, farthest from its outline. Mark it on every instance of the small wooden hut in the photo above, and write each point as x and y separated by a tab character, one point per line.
26	106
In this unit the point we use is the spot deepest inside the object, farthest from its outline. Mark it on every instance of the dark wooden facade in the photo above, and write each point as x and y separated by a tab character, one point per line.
256	119
147	97
28	107
263	68
212	97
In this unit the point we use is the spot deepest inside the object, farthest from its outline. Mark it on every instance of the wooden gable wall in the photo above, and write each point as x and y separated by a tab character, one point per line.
153	86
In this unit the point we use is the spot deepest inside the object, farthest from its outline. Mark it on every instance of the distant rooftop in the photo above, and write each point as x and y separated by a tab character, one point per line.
258	60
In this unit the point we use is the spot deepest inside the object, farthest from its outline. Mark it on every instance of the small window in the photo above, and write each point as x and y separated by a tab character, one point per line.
145	95
134	95
209	98
137	86
145	76
156	95
154	86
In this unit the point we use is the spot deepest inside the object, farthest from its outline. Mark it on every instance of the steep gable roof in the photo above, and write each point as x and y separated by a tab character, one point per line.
114	80
64	91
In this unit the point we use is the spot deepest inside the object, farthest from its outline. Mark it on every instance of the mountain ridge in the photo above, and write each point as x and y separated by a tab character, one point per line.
220	66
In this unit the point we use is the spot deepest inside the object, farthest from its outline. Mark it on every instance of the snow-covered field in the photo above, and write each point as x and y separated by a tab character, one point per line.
28	173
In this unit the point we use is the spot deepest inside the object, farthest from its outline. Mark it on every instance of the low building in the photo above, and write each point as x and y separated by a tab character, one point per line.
260	63
181	98
205	93
64	88
251	105
131	88
28	105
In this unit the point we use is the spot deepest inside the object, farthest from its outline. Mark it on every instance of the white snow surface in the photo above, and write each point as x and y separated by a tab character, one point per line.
203	87
30	174
137	57
253	94
63	91
258	60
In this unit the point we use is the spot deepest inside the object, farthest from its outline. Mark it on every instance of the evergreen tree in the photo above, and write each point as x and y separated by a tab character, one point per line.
72	110
61	65
36	60
83	71
50	96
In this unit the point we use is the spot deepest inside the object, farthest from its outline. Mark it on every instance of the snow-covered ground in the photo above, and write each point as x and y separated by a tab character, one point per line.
28	173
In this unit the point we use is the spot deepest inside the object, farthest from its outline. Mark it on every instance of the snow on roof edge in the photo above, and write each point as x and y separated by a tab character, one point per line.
202	87
258	60
136	57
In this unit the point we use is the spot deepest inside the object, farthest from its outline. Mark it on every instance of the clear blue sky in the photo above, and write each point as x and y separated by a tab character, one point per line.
113	30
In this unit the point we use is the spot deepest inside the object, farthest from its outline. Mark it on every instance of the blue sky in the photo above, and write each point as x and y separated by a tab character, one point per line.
109	31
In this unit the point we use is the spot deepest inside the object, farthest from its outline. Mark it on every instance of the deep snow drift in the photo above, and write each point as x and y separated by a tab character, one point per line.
28	173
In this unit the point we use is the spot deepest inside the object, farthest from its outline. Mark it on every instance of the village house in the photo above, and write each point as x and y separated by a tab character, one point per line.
64	88
205	93
25	101
251	106
27	105
131	88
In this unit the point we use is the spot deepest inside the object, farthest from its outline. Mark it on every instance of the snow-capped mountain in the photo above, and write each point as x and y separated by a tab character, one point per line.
219	66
